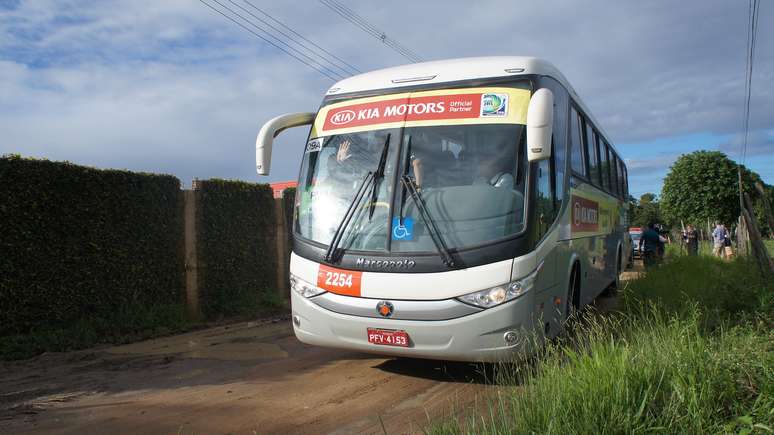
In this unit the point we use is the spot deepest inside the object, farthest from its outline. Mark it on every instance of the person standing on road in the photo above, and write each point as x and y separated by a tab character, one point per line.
718	239
691	238
650	245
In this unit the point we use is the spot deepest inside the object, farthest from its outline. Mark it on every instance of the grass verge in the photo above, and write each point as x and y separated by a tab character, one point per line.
690	352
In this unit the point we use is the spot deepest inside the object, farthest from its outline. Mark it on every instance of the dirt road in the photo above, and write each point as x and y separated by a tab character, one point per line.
244	378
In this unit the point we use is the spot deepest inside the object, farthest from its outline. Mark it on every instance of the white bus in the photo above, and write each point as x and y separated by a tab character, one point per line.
451	209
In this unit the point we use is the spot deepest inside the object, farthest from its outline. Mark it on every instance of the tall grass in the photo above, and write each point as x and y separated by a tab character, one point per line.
722	291
691	352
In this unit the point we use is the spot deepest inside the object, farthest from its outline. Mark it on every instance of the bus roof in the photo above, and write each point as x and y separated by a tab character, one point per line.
452	70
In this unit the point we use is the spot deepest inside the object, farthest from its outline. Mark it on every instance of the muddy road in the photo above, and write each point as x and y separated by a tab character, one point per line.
245	378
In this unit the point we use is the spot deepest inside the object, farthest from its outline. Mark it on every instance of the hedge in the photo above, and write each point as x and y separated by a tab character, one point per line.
97	250
236	248
289	202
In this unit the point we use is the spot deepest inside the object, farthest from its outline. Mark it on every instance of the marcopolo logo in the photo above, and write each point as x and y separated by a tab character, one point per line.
494	104
343	117
385	264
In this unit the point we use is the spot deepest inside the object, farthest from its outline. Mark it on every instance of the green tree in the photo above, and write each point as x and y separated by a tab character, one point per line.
703	186
645	211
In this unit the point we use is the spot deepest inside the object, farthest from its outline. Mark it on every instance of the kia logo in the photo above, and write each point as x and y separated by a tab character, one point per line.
342	117
384	308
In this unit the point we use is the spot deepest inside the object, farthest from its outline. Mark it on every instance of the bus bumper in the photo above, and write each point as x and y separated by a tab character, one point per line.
475	337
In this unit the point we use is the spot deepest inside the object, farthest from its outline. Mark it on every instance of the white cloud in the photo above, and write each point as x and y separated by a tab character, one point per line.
171	86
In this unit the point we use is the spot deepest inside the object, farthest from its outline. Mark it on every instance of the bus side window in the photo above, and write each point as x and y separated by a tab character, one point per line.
613	172
543	197
625	181
591	151
576	145
558	160
604	166
621	179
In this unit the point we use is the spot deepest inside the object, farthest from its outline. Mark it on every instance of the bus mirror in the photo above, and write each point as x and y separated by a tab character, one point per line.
540	122
272	129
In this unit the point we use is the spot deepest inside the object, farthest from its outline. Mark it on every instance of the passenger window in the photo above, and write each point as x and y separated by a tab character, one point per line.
604	166
577	157
591	147
545	202
626	182
622	179
613	172
622	171
559	162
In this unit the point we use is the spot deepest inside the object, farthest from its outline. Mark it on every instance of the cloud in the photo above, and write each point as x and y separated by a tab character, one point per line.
759	143
173	87
646	166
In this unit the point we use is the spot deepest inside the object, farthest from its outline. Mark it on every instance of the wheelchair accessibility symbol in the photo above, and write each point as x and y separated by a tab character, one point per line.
404	231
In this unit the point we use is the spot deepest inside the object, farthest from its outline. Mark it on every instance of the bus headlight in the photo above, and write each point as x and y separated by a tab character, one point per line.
503	293
303	288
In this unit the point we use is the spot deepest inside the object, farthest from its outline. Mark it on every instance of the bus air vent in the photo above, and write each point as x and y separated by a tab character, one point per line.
413	79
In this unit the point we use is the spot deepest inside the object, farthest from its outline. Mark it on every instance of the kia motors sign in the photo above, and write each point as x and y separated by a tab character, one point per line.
585	214
464	106
434	107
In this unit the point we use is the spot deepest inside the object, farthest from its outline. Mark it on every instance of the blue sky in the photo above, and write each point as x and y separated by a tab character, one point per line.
173	87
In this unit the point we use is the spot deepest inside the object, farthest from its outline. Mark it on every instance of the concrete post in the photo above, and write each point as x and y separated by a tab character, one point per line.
191	259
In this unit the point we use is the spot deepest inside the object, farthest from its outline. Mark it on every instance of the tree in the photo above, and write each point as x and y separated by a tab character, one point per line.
647	198
703	186
645	211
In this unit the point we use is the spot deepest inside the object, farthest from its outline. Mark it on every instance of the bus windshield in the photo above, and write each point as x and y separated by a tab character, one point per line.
471	179
469	176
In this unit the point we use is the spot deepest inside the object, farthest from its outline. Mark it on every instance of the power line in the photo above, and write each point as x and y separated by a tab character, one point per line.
752	30
322	65
405	51
372	30
320	69
352	69
324	60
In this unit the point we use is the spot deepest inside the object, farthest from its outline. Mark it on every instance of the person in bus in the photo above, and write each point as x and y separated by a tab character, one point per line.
343	169
495	167
651	245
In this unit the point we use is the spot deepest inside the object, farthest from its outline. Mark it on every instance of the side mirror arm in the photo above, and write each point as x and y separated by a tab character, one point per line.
270	130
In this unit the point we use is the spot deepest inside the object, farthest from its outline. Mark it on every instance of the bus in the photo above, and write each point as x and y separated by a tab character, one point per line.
451	210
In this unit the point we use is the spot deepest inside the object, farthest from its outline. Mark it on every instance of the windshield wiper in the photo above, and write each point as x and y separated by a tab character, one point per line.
446	256
371	179
330	254
378	176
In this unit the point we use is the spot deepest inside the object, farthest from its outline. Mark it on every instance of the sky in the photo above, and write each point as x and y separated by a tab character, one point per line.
173	87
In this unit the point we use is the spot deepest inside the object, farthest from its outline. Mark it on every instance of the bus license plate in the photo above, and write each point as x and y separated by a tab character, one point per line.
388	337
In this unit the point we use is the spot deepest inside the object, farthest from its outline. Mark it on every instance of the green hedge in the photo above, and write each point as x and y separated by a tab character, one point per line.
95	250
288	202
236	248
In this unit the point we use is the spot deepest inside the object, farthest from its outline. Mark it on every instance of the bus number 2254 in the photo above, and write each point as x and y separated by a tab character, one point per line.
337	279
